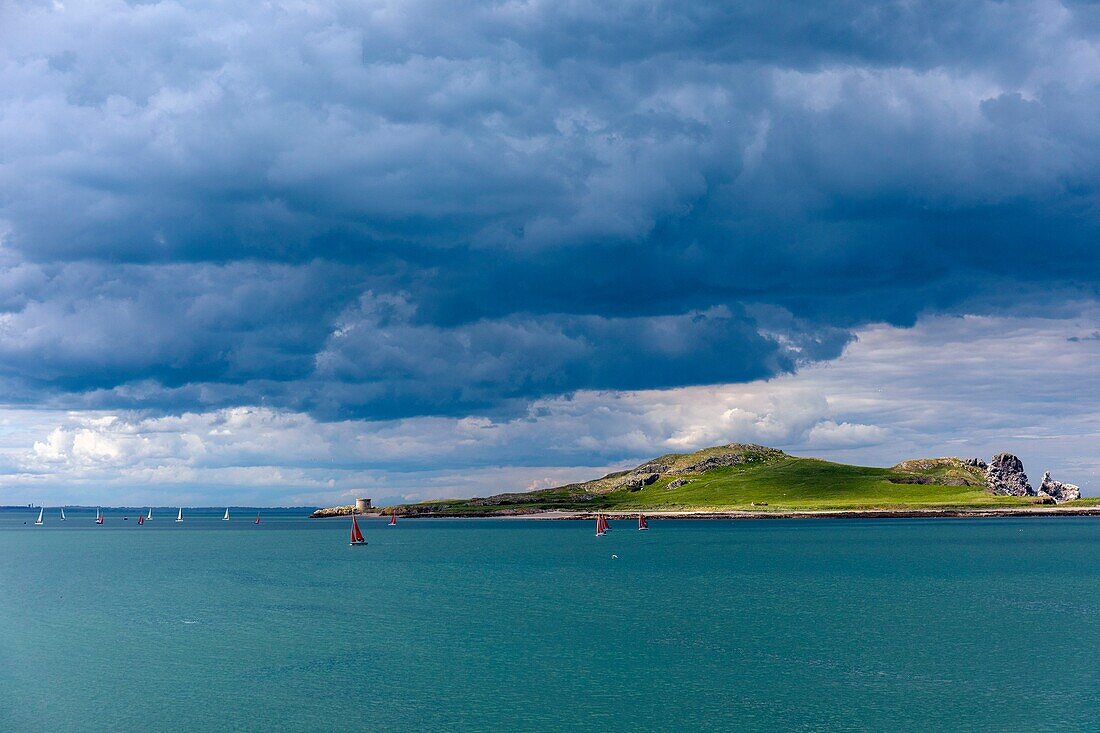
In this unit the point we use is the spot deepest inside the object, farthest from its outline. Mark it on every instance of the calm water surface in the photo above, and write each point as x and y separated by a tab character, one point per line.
498	625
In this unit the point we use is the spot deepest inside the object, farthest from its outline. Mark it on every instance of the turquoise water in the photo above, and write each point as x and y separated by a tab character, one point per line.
504	625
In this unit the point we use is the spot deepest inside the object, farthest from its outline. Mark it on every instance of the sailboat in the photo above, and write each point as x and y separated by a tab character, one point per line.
40	511
356	535
393	518
226	517
141	519
62	514
257	518
601	525
149	516
179	517
643	523
98	516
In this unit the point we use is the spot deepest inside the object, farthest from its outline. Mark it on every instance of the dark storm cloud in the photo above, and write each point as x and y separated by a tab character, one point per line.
434	207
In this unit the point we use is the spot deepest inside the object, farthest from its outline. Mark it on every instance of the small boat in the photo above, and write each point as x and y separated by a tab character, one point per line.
393	518
40	511
226	517
179	517
257	518
98	516
141	519
643	523
62	514
356	535
149	516
601	525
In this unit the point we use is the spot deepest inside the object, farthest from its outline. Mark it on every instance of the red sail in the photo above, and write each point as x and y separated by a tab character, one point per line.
257	519
393	517
141	519
642	522
356	535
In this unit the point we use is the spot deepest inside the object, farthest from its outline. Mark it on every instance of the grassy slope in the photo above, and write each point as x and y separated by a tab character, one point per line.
787	483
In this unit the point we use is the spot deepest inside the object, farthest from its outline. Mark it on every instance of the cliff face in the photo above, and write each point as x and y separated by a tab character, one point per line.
1057	490
1005	476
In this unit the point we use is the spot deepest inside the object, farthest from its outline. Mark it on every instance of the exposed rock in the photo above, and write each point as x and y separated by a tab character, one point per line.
335	511
653	467
976	463
1057	490
735	454
635	483
939	471
1045	498
678	483
1005	476
927	464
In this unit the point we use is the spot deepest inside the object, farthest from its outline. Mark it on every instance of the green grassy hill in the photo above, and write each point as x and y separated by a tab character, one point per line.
750	478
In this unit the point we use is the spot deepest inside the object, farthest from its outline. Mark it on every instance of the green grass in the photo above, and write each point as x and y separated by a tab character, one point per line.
783	484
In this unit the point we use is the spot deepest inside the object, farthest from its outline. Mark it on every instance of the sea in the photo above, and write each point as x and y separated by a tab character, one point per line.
520	625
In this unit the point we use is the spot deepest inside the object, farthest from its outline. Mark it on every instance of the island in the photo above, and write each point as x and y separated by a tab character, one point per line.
742	480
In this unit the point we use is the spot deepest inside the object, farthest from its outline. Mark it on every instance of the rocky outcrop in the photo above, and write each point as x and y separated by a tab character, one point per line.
335	511
1005	476
1057	490
636	483
733	454
678	483
976	463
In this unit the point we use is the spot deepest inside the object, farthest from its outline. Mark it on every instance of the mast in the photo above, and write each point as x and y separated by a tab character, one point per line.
179	517
62	514
40	511
226	517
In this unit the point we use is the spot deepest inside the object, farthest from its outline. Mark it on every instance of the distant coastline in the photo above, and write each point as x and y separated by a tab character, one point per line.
929	513
748	481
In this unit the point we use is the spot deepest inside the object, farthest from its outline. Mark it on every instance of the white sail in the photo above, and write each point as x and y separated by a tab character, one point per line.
149	515
226	517
40	511
62	514
179	517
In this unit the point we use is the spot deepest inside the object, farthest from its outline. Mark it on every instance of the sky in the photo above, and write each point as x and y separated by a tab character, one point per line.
298	252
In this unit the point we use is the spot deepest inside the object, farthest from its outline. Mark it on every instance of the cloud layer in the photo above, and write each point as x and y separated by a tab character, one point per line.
412	208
